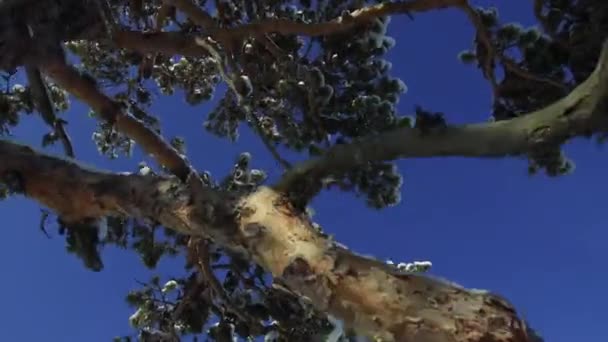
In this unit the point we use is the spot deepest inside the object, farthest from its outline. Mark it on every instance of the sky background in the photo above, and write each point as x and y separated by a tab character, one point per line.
538	241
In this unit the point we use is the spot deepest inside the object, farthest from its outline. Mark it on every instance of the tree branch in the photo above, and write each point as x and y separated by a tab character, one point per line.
169	43
581	113
340	24
179	43
512	66
70	79
194	12
372	298
203	263
46	109
538	13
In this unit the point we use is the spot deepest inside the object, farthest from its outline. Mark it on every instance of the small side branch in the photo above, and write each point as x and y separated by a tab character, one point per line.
46	109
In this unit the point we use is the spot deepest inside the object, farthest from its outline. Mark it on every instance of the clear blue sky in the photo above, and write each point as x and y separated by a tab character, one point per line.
483	223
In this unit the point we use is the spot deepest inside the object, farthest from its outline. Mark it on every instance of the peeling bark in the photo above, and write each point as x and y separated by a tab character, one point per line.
373	299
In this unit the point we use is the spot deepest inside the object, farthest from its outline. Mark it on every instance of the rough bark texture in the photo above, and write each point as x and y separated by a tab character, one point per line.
371	297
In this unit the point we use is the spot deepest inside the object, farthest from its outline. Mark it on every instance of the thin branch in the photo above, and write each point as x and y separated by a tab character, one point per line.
272	47
70	79
220	63
45	107
491	54
483	38
195	289
109	22
44	215
201	254
200	249
512	66
580	113
165	12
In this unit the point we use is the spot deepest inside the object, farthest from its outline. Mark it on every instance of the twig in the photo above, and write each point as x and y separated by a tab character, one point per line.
44	215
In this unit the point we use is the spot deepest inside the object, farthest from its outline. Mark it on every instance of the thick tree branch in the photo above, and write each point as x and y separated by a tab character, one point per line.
179	43
580	113
289	27
70	79
286	26
372	298
227	36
